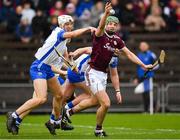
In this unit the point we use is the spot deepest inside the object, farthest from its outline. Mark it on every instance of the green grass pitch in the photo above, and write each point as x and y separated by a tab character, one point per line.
117	126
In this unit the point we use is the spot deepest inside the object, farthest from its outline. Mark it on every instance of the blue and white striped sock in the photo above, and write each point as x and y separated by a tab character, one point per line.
54	120
69	105
18	121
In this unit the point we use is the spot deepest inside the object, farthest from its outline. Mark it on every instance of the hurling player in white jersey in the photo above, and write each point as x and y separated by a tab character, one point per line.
56	68
41	72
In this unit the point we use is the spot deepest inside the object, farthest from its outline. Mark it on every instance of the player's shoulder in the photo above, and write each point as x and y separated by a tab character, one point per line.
150	52
94	36
117	36
58	30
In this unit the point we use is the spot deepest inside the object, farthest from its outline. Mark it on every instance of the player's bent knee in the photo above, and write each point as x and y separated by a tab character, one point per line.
106	104
41	100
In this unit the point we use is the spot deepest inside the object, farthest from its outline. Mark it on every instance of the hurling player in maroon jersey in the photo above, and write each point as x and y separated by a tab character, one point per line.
106	43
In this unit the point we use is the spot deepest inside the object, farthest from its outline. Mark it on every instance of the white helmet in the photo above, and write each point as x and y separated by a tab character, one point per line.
64	19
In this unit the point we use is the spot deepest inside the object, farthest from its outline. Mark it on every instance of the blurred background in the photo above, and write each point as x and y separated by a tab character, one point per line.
25	24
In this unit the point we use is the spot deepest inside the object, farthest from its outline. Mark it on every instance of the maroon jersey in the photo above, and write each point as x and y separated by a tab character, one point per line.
103	50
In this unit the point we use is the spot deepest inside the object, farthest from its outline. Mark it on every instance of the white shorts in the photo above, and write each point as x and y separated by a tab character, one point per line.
96	80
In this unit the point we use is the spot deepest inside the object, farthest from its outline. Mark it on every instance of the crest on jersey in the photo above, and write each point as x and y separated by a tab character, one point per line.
40	73
115	43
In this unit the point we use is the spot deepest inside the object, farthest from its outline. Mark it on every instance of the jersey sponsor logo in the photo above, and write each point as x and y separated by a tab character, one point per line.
108	47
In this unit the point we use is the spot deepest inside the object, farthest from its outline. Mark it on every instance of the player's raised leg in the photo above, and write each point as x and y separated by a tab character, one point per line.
77	100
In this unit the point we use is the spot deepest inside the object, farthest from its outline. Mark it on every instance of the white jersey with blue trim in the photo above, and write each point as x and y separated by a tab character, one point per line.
46	54
83	60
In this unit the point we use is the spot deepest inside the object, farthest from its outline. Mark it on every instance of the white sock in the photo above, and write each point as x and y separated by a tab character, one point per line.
14	115
66	106
57	122
52	121
99	131
67	112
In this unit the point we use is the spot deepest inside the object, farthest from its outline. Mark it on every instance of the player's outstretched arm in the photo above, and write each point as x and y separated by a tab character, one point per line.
131	56
80	51
102	23
78	32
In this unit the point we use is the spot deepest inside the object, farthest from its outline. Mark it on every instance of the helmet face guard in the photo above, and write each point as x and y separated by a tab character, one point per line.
64	19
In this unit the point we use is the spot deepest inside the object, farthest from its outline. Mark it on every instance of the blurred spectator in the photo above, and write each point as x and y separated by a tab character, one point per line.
128	17
154	3
5	11
129	12
82	5
178	18
75	2
147	3
35	3
57	9
123	33
28	12
53	24
71	10
154	21
14	19
117	8
44	5
85	19
96	11
39	26
139	10
24	31
173	4
164	3
150	6
169	14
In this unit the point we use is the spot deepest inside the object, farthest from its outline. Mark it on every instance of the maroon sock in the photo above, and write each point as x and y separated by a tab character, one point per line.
98	127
